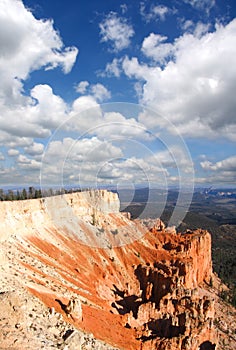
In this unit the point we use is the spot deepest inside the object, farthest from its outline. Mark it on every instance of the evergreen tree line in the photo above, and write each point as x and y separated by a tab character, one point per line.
32	193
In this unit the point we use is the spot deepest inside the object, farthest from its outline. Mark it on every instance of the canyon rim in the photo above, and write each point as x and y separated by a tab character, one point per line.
144	287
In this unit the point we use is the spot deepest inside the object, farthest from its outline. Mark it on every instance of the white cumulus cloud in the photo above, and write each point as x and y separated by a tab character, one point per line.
155	47
82	87
100	92
201	4
227	164
222	171
117	31
155	12
194	88
28	44
34	149
113	68
13	152
28	164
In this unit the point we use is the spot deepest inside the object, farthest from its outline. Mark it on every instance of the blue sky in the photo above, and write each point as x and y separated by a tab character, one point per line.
118	92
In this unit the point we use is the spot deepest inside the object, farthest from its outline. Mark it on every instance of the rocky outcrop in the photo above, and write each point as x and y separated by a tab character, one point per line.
167	309
90	217
26	323
132	284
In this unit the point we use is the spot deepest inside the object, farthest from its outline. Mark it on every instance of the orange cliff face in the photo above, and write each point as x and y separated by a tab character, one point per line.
135	287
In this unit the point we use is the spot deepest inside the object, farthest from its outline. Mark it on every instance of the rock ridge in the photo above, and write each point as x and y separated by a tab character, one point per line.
150	291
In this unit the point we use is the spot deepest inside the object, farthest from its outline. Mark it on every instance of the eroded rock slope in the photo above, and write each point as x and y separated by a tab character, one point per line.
102	281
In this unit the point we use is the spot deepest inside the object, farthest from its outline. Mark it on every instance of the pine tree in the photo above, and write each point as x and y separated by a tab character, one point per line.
24	194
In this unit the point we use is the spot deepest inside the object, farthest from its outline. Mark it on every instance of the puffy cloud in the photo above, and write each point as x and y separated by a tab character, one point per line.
13	176
88	118
155	12
109	147
21	122
200	29
130	170
97	91
159	11
34	149
84	103
154	46
44	111
82	87
28	44
91	160
197	29
13	152
113	68
115	126
228	164
76	159
118	149
194	89
159	169
85	115
100	92
27	163
13	141
201	4
186	24
49	110
174	157
81	150
229	131
133	68
124	8
222	171
116	30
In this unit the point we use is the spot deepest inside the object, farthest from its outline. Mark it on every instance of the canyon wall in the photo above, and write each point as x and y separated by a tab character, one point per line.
137	285
65	213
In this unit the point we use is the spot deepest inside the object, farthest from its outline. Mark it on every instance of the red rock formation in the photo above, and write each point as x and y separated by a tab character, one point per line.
145	294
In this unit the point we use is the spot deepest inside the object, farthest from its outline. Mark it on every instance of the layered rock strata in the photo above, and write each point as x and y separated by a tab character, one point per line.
131	284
